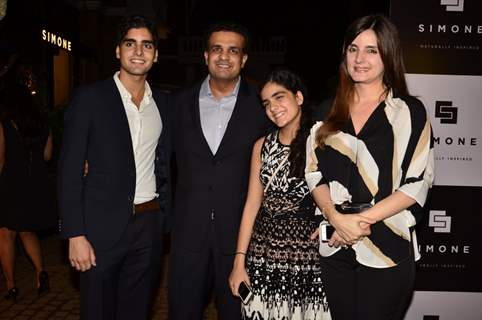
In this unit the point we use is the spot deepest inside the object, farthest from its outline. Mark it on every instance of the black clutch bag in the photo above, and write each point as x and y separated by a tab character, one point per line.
353	207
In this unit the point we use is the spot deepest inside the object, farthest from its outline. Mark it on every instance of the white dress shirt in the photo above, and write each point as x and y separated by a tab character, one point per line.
145	126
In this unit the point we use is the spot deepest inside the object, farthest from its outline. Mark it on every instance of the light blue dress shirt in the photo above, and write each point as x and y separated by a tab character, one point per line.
215	114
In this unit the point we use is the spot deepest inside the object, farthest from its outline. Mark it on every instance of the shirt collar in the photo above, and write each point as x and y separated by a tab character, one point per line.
390	100
126	96
206	88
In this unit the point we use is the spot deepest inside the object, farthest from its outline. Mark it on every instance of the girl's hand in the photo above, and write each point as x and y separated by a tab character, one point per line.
238	274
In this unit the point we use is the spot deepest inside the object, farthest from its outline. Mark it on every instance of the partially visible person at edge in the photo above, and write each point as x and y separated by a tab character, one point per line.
25	147
113	181
275	255
216	124
372	156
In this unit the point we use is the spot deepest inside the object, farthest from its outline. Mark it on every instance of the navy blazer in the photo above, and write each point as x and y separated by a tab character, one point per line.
213	186
96	130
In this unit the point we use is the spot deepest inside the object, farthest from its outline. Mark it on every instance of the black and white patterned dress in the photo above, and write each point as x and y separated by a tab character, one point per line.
282	261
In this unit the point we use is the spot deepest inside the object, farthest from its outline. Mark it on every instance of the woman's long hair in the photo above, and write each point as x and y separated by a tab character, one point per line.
292	82
393	76
18	106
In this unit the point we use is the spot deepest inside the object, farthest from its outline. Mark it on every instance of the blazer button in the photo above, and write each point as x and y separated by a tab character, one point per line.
210	188
130	198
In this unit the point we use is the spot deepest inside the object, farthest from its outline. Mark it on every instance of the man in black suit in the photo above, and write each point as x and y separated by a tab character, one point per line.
114	183
216	125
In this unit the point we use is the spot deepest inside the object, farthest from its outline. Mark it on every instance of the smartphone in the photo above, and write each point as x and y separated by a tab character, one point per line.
244	292
326	231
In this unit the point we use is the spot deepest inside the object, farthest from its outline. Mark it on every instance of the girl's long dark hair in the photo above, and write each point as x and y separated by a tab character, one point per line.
17	105
393	76
292	82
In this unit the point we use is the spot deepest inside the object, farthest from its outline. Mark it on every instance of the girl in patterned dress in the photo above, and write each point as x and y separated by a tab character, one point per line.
275	255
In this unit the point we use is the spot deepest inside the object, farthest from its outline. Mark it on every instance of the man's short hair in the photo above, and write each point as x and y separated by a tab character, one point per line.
227	27
136	22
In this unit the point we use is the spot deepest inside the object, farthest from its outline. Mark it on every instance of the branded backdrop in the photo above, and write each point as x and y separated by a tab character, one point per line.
440	36
442	43
454	104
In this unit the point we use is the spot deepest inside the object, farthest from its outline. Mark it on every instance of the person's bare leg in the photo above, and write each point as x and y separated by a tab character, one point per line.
7	255
31	244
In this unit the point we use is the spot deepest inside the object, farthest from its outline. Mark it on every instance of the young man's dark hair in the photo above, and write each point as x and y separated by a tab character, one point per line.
136	22
227	27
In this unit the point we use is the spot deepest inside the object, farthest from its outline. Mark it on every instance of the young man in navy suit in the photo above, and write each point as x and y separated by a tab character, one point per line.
216	125
114	183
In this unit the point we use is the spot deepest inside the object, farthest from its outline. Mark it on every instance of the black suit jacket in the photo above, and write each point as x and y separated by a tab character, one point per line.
213	185
96	129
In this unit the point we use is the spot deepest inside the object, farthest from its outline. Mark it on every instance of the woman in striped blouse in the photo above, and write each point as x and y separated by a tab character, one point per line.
369	167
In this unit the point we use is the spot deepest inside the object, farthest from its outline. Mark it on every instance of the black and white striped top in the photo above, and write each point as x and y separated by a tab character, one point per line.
393	151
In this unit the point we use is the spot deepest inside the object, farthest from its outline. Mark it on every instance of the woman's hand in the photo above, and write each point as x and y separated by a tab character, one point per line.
351	227
238	274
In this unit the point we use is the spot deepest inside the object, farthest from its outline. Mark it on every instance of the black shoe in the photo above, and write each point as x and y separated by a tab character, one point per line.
12	294
44	286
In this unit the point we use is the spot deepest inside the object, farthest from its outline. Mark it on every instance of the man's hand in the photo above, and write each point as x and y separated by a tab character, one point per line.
81	253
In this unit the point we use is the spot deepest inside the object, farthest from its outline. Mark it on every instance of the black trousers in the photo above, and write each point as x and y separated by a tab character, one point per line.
122	284
192	275
358	292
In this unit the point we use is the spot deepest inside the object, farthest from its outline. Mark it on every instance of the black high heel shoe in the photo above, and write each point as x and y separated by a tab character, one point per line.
12	294
44	285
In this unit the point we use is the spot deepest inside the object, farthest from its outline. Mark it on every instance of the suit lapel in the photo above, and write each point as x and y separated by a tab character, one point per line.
236	120
196	120
162	108
119	116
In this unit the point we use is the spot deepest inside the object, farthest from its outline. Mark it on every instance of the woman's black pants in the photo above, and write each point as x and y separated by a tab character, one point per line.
358	292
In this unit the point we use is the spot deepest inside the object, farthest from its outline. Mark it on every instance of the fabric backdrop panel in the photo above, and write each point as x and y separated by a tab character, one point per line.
440	36
449	241
454	104
429	305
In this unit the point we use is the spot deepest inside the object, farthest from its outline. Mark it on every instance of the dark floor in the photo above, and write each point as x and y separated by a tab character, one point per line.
62	302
